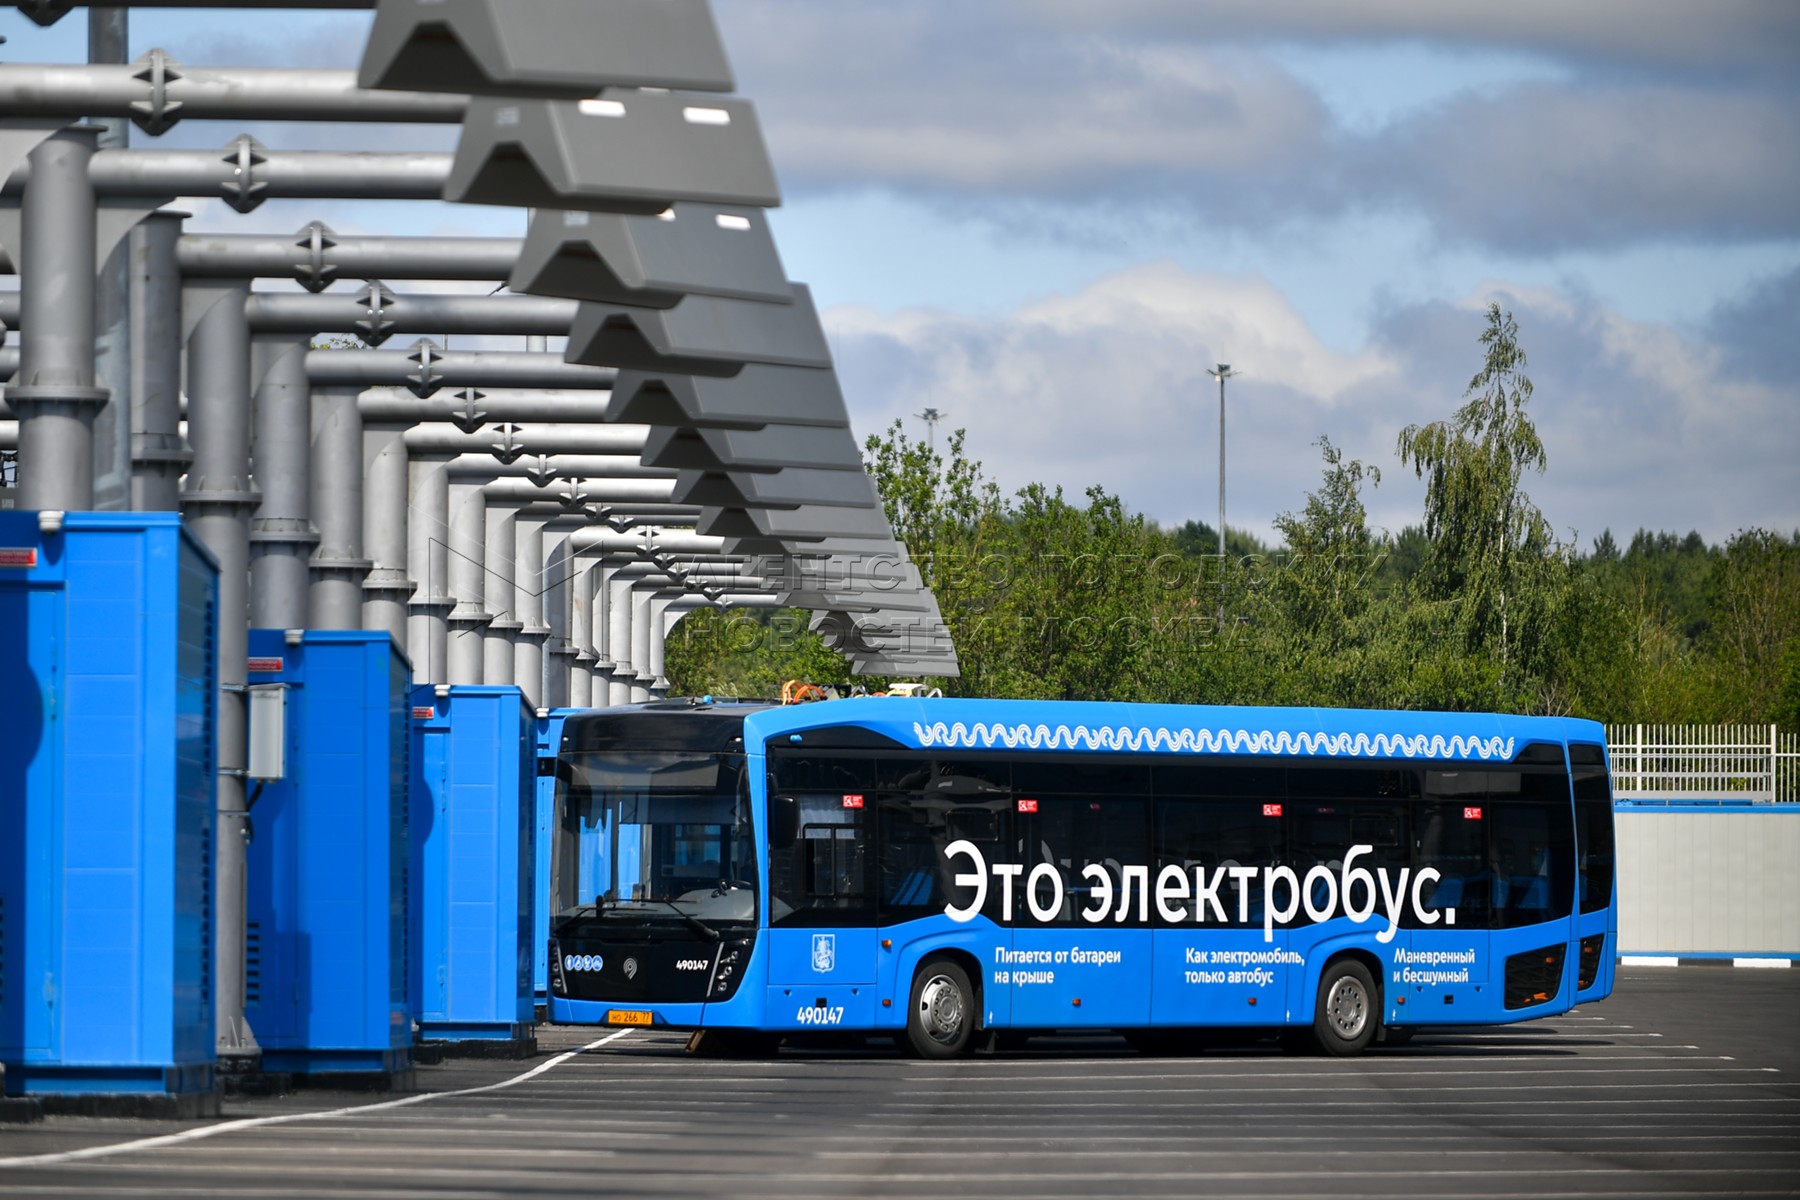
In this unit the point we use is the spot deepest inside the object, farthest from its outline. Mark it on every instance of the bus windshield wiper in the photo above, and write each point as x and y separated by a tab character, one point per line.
705	929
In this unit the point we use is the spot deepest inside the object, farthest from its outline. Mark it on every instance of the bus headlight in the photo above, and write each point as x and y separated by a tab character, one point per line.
556	972
731	961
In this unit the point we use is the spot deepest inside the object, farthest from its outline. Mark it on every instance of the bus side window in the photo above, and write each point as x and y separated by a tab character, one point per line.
822	877
1074	833
1450	837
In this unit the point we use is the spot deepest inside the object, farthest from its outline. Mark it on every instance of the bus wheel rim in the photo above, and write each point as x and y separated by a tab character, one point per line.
941	1008
1347	1008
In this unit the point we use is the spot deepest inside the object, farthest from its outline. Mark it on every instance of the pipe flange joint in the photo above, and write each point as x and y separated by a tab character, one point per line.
471	621
431	606
271	534
315	274
376	326
425	381
388	583
326	565
156	114
244	191
227	501
50	399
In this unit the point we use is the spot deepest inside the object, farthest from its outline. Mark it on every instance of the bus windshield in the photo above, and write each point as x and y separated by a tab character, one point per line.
654	836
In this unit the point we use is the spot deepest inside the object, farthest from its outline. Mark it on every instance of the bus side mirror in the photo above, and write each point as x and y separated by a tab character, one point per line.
784	821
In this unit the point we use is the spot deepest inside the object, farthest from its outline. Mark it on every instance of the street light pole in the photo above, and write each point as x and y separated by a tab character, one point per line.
1221	373
931	417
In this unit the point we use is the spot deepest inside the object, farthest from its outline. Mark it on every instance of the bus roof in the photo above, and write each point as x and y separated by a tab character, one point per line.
1086	727
700	726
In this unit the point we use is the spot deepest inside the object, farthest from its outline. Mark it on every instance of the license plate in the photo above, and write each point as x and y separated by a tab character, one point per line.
626	1016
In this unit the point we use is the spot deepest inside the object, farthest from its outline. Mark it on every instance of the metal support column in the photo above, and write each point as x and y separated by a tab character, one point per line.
581	641
618	637
428	561
158	455
335	596
528	599
465	657
387	585
54	392
282	536
645	625
217	503
498	638
108	35
559	648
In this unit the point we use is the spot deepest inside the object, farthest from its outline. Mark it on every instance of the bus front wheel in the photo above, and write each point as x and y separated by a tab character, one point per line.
942	1016
1348	1012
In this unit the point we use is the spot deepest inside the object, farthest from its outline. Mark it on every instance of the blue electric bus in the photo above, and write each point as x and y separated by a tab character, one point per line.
952	872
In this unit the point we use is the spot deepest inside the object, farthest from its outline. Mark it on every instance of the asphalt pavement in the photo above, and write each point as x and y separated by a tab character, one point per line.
1686	1082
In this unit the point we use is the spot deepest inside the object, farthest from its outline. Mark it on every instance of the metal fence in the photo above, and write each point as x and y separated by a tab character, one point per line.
1751	764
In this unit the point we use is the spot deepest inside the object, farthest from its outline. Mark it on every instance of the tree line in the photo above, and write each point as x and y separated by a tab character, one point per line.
1479	607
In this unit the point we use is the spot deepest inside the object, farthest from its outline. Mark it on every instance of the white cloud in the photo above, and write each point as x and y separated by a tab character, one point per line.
1156	104
1107	386
1668	33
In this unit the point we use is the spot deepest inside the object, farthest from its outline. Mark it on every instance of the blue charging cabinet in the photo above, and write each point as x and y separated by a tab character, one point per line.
474	753
326	971
107	796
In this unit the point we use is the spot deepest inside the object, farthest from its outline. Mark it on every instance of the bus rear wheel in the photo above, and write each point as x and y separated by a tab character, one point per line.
1348	1013
941	1018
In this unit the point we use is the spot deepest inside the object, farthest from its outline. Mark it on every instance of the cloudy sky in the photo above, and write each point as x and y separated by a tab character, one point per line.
1046	218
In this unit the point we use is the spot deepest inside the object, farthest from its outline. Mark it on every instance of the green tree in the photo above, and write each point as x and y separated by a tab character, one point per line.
1493	558
1754	623
747	652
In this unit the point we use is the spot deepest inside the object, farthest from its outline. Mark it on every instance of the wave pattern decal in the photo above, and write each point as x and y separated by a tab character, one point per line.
980	736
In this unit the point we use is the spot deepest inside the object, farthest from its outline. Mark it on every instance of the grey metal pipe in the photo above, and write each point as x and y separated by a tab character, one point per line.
426	374
317	256
158	454
680	542
282	536
48	12
627	493
376	314
216	504
55	394
108	35
465	659
606	477
641	626
581	638
621	675
559	649
156	92
658	685
552	438
335	598
428	562
246	173
599	624
387	586
528	600
501	632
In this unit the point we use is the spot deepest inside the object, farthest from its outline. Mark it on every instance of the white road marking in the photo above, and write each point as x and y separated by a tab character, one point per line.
206	1131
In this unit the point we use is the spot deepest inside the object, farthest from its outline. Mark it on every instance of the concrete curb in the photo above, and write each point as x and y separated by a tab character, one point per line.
1707	960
